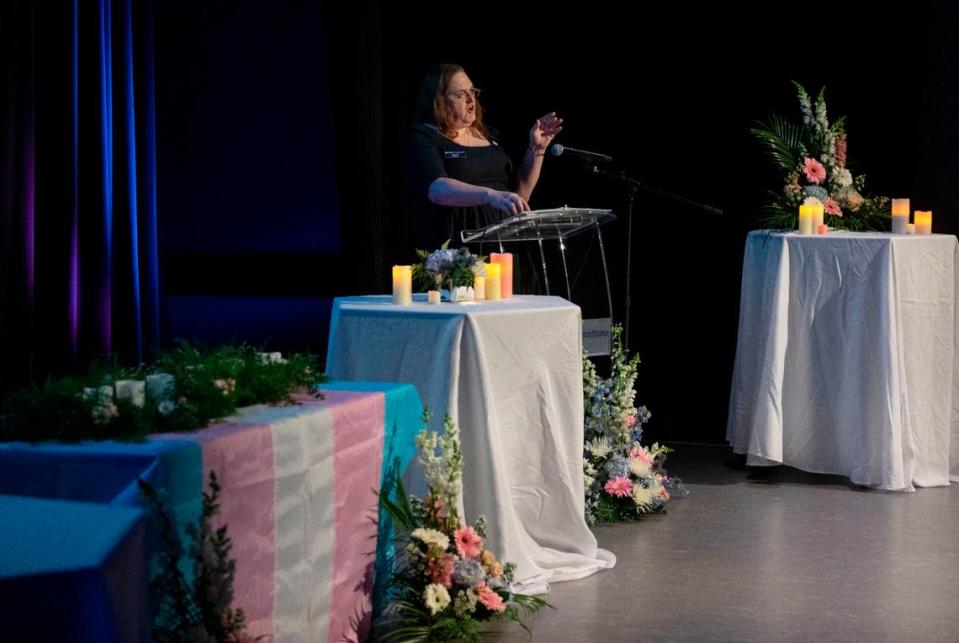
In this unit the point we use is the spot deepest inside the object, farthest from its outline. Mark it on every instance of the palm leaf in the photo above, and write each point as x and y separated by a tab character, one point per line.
782	139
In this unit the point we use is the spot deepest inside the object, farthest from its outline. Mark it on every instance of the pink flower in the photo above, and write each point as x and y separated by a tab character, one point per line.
441	570
641	454
631	420
814	171
841	151
490	599
831	207
468	542
619	487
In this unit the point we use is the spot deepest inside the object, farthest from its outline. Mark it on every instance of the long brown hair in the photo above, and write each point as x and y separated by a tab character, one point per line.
431	101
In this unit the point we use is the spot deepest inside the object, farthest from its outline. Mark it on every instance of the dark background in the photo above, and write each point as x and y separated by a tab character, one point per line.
280	177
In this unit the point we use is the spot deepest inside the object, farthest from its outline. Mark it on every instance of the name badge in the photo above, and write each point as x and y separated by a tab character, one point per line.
454	154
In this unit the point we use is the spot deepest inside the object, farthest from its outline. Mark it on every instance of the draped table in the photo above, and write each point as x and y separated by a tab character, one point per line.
509	373
847	359
298	493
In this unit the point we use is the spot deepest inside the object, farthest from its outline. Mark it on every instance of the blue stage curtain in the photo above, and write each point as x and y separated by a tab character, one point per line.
78	254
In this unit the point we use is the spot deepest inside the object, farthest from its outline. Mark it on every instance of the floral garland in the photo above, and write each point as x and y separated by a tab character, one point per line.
812	160
447	583
623	478
184	390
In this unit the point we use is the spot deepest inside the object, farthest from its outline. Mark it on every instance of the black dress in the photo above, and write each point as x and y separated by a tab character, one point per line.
429	156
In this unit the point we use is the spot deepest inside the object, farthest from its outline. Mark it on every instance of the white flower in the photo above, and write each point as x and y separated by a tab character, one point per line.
643	496
843	177
166	407
599	447
639	468
432	537
436	598
811	200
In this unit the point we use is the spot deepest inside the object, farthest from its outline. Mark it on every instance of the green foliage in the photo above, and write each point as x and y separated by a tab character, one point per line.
209	384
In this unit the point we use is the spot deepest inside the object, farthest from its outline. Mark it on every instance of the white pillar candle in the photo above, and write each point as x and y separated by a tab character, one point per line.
923	219
910	228
805	219
433	297
900	215
402	285
479	287
818	216
493	283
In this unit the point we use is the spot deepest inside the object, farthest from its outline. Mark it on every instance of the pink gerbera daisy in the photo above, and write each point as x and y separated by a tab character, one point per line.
619	487
831	207
490	599
814	171
468	542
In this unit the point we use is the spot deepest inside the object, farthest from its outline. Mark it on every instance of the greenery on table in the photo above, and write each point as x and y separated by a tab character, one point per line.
206	384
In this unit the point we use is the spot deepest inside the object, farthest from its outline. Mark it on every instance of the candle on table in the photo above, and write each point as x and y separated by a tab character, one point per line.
479	287
402	285
923	219
433	296
818	216
805	219
505	261
900	215
493	282
910	228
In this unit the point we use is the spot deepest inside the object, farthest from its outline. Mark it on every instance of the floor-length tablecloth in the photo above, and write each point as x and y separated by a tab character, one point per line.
847	357
510	374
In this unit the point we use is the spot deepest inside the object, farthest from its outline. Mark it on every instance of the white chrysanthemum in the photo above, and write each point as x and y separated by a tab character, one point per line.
432	537
811	200
643	496
599	447
843	177
436	598
640	468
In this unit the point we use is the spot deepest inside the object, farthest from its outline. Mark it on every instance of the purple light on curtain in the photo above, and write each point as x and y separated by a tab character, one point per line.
131	161
73	305
106	124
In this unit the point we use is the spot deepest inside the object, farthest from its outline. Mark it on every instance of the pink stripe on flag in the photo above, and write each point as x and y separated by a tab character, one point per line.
358	430
242	457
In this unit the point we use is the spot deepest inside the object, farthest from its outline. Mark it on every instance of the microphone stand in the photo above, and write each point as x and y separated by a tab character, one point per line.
631	186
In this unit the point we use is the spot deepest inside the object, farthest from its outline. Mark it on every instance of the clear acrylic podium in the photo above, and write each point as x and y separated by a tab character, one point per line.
544	225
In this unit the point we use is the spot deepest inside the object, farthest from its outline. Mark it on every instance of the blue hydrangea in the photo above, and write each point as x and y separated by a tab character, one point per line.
618	466
468	572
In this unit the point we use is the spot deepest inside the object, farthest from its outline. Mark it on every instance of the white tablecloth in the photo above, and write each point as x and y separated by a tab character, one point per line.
510	374
847	355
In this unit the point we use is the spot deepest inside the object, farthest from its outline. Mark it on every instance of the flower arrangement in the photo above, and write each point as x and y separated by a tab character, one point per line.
183	390
450	267
447	583
199	609
812	158
623	478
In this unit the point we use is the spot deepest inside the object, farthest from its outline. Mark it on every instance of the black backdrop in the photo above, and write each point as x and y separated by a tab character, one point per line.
325	94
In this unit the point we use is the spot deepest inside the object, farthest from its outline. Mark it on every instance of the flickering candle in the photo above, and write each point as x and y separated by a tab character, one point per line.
923	219
818	216
433	297
910	228
805	219
505	261
402	285
479	287
493	282
900	215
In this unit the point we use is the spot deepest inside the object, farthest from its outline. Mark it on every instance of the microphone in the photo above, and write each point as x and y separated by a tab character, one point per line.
592	157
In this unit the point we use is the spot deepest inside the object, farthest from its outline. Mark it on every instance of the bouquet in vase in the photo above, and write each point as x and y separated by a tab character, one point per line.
448	583
812	159
450	268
